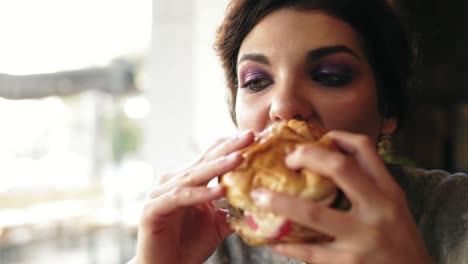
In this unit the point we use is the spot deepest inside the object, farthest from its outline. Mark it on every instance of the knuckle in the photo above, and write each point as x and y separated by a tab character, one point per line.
230	142
176	192
376	235
173	196
220	140
185	178
215	143
302	150
392	213
147	212
149	216
341	164
146	206
210	153
199	159
314	213
355	258
202	158
165	177
213	163
376	222
153	193
364	141
389	213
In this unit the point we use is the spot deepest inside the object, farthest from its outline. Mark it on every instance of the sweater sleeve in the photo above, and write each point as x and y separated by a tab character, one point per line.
439	202
444	223
234	251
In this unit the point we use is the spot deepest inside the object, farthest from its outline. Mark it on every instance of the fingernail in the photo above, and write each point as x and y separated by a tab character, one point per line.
260	197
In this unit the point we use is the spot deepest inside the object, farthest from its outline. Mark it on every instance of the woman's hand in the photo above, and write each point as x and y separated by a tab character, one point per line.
378	228
180	223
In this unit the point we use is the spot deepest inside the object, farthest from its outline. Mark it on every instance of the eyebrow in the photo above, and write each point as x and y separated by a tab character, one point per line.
254	57
312	55
319	53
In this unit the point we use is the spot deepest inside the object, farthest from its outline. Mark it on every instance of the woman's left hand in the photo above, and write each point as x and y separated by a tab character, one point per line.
379	227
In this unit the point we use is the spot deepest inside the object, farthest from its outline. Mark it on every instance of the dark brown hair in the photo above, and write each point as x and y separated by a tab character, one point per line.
385	42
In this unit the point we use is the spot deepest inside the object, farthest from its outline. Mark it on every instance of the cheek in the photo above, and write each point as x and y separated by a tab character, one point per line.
357	113
251	113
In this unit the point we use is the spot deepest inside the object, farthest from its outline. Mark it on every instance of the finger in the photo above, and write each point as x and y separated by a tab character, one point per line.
224	227
178	198
221	147
200	175
218	141
202	157
310	214
342	169
311	253
365	152
230	145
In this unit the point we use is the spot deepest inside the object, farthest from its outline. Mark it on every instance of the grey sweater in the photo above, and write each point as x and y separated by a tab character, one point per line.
439	204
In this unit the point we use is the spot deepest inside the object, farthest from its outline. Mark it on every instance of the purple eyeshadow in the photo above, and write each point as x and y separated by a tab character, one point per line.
254	76
335	68
252	73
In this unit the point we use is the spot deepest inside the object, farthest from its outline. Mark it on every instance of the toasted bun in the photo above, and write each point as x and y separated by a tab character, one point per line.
264	166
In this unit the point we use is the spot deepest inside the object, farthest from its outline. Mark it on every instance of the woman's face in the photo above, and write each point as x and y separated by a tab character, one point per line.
307	65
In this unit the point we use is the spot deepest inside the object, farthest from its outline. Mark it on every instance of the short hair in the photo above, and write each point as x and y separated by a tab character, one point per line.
385	41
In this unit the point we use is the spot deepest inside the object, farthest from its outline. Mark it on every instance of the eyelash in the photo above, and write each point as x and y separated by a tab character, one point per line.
326	75
257	84
332	75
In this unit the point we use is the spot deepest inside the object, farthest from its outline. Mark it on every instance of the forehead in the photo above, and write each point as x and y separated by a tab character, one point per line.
290	30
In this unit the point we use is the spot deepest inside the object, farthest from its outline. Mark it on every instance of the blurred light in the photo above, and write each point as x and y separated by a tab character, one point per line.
129	180
136	107
27	123
55	35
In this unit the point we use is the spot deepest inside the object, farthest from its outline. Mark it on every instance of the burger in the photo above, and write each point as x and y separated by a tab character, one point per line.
264	167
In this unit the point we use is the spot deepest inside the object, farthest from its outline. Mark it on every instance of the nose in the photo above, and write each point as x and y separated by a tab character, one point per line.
288	103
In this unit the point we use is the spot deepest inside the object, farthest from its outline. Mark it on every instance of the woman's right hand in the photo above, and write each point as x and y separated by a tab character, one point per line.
180	223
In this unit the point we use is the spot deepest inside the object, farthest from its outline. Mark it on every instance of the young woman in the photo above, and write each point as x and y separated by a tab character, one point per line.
344	64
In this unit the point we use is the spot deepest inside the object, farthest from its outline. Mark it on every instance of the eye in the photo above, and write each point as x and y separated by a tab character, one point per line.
332	75
256	82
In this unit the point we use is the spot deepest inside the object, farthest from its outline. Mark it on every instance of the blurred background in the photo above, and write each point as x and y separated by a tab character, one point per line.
98	97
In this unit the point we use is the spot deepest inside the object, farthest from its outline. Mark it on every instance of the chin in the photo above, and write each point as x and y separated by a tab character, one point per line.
264	167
